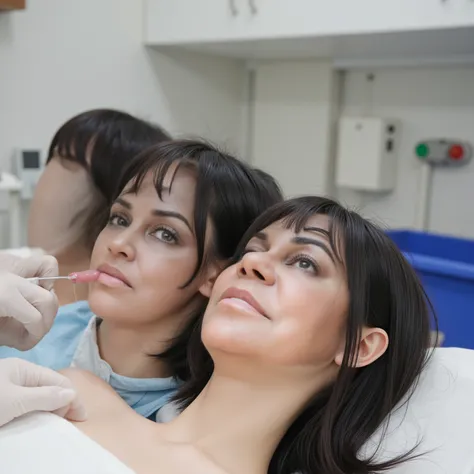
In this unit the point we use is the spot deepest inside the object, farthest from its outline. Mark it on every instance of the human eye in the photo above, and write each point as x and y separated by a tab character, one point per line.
240	254
248	250
305	263
117	220
166	235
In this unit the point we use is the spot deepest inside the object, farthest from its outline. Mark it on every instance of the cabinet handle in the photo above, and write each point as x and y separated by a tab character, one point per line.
233	8
253	7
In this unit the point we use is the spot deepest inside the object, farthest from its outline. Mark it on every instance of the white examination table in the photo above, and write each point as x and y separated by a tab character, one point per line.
440	415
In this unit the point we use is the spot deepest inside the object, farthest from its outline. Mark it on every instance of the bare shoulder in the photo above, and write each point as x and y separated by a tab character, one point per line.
83	377
87	382
137	442
99	398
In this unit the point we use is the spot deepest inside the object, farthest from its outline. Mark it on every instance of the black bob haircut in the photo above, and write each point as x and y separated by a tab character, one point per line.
103	141
384	292
228	191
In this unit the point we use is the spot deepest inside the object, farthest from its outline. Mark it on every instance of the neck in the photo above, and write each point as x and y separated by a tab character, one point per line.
66	291
243	440
129	350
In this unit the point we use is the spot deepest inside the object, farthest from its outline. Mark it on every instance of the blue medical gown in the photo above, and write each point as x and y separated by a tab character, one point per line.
72	341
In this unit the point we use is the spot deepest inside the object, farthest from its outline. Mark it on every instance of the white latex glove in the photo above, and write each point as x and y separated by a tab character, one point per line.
26	387
27	310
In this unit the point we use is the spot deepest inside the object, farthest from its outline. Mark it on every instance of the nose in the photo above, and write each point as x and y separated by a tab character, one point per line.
257	265
121	246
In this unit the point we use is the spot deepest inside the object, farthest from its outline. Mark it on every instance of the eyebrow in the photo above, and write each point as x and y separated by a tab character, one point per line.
306	240
318	243
158	212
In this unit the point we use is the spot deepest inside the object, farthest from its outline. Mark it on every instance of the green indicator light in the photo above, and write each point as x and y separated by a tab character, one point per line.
422	150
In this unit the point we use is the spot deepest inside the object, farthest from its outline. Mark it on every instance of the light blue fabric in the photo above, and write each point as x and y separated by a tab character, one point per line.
57	348
145	396
72	341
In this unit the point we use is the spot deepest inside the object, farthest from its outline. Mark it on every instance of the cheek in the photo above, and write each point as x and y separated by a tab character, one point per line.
160	272
49	216
59	208
223	281
311	331
160	266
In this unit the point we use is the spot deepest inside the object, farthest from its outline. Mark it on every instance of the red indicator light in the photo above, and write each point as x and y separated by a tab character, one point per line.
456	152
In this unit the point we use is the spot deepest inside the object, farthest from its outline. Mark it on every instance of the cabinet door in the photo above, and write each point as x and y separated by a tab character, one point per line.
189	21
12	4
299	18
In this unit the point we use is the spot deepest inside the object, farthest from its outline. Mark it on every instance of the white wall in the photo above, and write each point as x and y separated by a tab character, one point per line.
295	103
430	103
60	57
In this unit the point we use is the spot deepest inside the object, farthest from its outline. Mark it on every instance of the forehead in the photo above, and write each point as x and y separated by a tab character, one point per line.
317	221
178	189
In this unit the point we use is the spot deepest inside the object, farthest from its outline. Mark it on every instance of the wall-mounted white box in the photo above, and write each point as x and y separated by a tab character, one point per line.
366	153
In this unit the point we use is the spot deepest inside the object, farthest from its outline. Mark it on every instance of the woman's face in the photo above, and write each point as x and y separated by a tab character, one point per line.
64	192
284	304
146	253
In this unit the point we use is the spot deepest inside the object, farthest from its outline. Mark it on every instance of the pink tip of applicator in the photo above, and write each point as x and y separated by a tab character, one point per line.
86	276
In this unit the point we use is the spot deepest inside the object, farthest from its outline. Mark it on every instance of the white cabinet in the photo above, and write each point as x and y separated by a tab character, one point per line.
296	18
313	28
184	21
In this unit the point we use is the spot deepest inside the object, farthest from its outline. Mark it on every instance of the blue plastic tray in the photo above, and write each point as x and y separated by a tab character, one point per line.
445	266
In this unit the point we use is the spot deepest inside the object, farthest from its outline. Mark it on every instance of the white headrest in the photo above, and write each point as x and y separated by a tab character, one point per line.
439	416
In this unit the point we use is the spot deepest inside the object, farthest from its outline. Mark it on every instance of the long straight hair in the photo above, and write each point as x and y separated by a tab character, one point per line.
229	193
384	292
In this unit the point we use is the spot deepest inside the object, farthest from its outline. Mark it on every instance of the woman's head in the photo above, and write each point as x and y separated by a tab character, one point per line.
86	157
181	210
337	306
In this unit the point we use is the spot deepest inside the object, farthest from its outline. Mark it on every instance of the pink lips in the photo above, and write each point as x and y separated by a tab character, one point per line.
243	299
112	277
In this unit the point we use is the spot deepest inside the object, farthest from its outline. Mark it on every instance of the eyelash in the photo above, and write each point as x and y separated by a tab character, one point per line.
294	259
172	232
174	235
114	216
305	258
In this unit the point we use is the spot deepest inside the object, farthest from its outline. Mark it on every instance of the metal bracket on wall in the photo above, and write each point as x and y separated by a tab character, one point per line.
233	8
253	7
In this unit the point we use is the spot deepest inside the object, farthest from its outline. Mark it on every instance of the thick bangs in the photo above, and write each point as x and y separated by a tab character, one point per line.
295	213
71	143
173	156
103	141
148	163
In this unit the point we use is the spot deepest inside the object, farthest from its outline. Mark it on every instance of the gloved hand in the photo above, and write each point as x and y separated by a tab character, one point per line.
26	387
27	310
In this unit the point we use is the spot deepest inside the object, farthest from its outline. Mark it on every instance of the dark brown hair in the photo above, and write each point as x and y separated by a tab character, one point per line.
384	292
229	192
102	141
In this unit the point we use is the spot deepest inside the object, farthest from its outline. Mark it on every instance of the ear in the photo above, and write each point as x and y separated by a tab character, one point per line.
213	271
372	345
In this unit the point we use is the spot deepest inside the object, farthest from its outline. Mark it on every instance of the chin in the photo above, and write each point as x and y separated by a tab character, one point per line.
108	306
232	338
126	310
